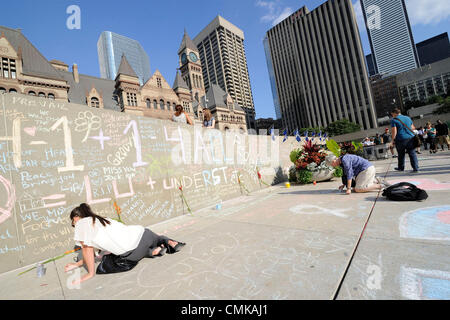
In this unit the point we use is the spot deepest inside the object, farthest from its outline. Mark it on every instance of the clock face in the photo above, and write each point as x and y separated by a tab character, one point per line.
183	58
193	57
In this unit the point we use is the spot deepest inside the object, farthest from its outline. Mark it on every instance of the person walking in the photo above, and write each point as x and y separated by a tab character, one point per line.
386	137
442	134
403	139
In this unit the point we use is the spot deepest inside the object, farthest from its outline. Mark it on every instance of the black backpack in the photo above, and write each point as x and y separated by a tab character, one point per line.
405	191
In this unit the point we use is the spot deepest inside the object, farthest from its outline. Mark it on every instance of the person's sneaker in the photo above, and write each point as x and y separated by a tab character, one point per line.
415	171
383	182
394	156
397	169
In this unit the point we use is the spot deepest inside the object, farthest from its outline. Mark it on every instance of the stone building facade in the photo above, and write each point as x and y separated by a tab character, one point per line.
23	69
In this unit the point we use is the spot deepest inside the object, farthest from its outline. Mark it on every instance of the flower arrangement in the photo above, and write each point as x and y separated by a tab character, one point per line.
309	164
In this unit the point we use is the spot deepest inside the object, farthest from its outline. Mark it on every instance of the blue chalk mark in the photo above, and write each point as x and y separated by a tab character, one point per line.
437	289
424	223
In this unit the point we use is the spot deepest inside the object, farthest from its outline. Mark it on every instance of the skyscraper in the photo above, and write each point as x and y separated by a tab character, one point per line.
320	68
273	83
434	49
390	36
222	54
111	46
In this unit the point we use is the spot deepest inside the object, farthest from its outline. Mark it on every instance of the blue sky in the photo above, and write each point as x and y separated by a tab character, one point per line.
159	27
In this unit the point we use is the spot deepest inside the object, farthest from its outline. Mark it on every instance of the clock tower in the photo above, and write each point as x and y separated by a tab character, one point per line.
191	67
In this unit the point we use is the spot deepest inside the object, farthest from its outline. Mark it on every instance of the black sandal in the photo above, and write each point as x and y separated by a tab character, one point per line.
160	254
178	247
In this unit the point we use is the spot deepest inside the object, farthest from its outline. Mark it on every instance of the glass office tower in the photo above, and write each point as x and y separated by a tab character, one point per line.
273	83
111	46
390	36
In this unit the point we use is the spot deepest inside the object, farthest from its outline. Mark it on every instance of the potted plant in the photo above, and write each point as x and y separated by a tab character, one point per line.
309	164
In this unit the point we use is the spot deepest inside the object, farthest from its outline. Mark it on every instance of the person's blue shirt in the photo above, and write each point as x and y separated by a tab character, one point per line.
402	132
207	123
352	165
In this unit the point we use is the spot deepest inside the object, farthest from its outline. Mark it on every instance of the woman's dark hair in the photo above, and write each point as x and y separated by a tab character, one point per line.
178	106
84	211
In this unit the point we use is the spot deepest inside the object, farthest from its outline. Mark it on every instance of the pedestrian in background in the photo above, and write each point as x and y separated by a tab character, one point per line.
403	138
442	135
431	134
386	137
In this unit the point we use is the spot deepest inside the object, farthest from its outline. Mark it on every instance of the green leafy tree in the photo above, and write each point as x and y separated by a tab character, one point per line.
342	127
445	106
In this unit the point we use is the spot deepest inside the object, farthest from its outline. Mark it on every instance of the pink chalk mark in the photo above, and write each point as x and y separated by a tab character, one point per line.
444	217
54	197
31	131
426	184
5	213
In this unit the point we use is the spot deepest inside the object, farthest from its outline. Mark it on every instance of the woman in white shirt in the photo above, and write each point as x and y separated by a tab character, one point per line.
181	116
131	243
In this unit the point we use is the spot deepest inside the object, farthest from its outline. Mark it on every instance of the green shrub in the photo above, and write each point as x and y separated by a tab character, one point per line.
304	176
338	172
294	155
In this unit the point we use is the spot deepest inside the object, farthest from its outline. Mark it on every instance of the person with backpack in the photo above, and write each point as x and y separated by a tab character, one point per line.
403	138
431	133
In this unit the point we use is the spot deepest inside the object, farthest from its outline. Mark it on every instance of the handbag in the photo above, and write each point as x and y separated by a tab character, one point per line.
416	143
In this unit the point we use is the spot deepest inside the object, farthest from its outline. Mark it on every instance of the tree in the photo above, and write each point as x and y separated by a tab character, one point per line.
445	106
342	127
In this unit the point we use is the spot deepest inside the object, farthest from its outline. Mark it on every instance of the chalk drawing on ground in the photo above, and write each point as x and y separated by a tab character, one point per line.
426	223
5	212
426	184
310	209
418	284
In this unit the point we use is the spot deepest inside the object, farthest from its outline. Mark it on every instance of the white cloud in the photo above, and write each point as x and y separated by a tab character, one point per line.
428	12
286	13
274	11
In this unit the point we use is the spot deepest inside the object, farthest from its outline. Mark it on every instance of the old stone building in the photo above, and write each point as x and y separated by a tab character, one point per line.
23	69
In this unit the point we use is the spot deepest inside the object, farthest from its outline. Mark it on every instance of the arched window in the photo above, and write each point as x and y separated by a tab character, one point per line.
95	103
168	105
161	104
51	96
155	104
41	94
226	128
32	93
174	105
2	90
148	103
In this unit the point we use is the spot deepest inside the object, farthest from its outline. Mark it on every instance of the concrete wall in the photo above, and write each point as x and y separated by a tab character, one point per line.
54	156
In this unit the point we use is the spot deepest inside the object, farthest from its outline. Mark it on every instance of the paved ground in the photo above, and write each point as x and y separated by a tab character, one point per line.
287	244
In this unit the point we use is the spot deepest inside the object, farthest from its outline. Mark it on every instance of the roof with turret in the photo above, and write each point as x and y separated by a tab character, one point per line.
187	43
125	68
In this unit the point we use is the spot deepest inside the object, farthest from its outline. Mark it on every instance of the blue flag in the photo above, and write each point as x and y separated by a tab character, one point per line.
297	136
272	133
285	133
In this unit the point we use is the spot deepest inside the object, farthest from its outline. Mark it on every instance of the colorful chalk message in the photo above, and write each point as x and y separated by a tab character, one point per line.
55	155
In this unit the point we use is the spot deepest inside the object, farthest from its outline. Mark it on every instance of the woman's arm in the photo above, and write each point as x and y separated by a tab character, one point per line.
89	260
188	119
213	123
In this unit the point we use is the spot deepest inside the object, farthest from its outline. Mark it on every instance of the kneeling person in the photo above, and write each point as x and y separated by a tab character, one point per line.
357	168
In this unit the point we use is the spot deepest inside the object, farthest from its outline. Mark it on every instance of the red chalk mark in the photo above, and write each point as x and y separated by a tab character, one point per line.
44	284
444	217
